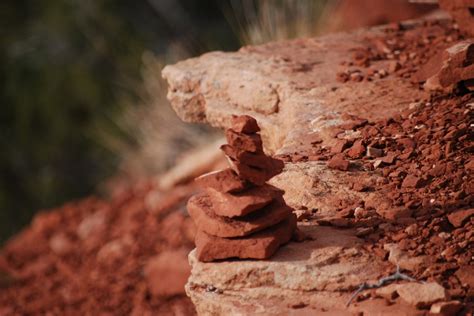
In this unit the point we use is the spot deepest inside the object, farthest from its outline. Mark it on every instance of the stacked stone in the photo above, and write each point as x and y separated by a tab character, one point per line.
239	215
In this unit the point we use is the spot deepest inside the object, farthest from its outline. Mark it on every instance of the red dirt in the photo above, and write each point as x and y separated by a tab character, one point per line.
89	257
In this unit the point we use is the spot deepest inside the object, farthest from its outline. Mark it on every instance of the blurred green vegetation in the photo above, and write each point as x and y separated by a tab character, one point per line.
68	69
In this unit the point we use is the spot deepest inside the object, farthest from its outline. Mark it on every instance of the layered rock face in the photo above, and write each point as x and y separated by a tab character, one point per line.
238	215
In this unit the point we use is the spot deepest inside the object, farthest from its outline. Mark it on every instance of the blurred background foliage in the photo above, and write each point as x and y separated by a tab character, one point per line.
83	100
69	70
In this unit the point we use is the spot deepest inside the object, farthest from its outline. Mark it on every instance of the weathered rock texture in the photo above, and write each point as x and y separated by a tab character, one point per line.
253	220
316	100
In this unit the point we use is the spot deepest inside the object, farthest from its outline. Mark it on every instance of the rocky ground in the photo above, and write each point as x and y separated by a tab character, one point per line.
375	127
378	167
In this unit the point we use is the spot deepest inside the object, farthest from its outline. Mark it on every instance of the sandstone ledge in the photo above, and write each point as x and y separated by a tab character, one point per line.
292	91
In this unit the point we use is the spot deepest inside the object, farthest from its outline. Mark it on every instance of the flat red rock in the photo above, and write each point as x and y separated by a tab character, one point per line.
458	218
260	245
244	124
221	226
257	160
225	180
239	204
244	142
255	175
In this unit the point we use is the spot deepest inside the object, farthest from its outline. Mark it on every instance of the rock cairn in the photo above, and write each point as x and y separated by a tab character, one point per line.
239	215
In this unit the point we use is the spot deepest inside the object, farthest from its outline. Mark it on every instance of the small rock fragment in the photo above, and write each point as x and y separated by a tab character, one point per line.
465	274
339	163
357	150
411	181
340	145
401	258
446	308
244	124
261	245
458	218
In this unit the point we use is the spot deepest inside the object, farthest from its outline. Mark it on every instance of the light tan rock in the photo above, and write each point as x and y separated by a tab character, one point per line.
446	308
260	245
422	294
209	89
225	181
321	272
404	260
388	292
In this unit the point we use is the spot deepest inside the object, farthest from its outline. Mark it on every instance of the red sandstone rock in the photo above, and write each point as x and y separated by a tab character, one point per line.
340	146
238	204
357	150
206	220
458	218
394	213
260	245
167	273
257	160
244	124
225	180
339	163
244	142
255	175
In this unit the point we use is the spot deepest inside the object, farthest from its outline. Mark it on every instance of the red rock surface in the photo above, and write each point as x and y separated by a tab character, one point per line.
396	200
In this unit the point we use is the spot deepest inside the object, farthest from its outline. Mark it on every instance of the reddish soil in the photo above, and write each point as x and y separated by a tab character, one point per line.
424	156
89	257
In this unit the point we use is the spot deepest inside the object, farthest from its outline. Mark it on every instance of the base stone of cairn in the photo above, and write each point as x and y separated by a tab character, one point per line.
239	215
